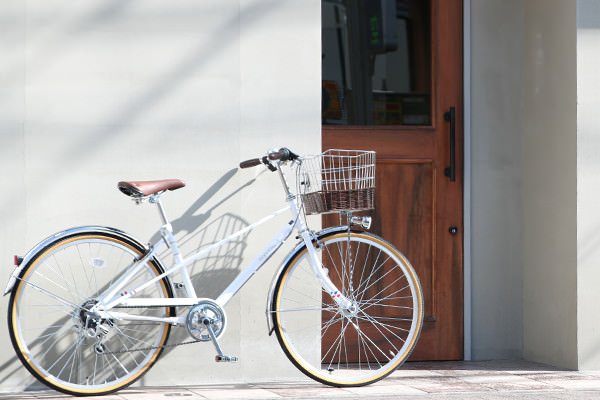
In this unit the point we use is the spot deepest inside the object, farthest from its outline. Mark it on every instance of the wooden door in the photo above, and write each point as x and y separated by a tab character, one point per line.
392	82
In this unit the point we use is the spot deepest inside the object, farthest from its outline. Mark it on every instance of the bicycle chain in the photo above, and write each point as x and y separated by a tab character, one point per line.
152	347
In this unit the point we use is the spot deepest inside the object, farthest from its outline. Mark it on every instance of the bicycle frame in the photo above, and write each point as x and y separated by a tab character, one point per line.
120	295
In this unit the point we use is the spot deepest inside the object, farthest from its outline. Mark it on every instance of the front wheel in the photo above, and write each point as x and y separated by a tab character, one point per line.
56	335
352	346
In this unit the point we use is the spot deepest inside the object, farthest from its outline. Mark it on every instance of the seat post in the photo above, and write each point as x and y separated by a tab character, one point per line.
156	200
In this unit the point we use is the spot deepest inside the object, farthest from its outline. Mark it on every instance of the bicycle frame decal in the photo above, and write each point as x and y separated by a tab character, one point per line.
255	265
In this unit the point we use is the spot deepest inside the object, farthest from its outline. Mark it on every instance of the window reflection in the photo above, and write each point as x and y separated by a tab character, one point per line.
376	62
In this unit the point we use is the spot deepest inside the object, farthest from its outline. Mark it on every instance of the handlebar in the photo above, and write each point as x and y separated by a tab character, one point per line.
283	154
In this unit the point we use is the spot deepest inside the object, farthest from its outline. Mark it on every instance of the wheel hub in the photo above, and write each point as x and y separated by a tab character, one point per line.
83	318
352	311
89	322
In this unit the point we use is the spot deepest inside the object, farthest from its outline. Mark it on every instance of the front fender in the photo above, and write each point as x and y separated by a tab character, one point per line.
299	247
61	235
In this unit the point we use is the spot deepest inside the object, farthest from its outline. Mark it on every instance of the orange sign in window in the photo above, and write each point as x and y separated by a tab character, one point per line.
331	106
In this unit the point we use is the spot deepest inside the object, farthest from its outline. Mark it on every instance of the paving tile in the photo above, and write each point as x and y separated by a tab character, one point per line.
158	394
444	384
229	393
411	373
494	378
384	390
574	383
568	376
458	367
507	382
51	395
303	392
34	395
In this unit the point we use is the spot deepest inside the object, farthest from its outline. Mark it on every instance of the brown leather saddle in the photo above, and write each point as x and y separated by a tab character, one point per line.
148	188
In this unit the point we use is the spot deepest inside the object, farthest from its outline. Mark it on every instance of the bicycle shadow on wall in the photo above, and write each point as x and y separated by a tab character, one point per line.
197	229
213	272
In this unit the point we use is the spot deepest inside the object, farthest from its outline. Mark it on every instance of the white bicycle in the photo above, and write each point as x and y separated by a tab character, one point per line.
91	307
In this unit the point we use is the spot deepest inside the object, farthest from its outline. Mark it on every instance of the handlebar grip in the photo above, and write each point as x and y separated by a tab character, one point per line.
250	163
284	154
275	155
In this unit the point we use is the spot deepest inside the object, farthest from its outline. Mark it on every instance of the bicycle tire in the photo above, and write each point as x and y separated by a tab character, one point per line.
346	348
49	327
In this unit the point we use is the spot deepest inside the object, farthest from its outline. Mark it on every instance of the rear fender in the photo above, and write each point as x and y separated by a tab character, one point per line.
70	232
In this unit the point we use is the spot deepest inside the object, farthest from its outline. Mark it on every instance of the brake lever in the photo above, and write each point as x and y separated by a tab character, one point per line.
268	163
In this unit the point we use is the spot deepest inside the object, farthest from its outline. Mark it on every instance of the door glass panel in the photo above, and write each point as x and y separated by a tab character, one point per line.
376	62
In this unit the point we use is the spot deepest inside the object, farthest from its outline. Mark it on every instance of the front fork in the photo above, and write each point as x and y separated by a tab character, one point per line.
322	274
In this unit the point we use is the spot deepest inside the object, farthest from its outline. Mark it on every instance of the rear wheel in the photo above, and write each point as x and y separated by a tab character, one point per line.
360	344
55	334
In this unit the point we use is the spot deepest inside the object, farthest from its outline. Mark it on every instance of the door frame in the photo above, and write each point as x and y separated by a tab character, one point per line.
467	289
467	259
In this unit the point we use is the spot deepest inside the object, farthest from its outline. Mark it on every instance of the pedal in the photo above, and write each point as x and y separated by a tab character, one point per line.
220	357
224	358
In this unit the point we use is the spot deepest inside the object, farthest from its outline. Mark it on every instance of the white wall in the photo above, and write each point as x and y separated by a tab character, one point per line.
535	145
550	184
588	184
100	91
496	166
524	180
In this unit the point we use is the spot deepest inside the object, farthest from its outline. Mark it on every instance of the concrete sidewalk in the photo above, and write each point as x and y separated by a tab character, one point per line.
423	380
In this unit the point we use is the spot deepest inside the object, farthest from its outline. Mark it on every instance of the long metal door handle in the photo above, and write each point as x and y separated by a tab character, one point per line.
450	116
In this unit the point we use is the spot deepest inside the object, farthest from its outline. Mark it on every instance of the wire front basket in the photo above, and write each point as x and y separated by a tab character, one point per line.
337	180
